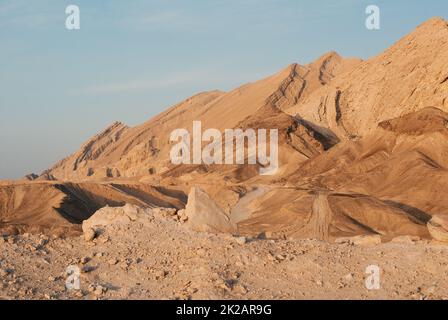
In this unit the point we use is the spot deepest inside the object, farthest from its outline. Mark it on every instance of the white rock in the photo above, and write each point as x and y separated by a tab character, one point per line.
89	234
110	216
205	215
182	215
438	227
241	240
99	290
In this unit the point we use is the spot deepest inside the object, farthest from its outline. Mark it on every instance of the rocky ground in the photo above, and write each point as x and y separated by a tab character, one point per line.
153	255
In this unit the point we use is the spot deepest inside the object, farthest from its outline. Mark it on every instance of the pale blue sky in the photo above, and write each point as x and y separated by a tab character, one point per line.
133	58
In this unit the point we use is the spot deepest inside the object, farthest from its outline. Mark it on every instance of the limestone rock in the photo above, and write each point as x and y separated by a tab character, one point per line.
182	215
438	227
89	233
108	216
205	215
241	240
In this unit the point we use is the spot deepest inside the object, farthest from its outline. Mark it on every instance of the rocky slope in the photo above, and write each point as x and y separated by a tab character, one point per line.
409	76
362	151
154	256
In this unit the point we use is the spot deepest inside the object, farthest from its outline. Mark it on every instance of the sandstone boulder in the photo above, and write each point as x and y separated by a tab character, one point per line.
205	215
182	215
438	227
89	234
109	215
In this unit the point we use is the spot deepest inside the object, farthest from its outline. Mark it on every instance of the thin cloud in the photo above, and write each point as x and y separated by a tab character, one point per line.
201	78
140	85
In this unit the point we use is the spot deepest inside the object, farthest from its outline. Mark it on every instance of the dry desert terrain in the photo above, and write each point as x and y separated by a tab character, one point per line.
362	180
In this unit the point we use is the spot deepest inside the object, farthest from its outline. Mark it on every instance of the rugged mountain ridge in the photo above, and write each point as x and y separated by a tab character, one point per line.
407	77
346	97
120	151
362	150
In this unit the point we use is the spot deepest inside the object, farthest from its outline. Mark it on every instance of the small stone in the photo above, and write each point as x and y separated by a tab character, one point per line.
182	215
84	260
269	235
99	290
241	240
125	264
161	274
104	239
89	234
262	236
51	279
87	269
280	257
240	289
113	261
192	290
4	273
41	243
348	277
223	285
170	211
270	257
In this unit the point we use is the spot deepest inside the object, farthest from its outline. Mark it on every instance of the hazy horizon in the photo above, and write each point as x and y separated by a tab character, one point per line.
131	60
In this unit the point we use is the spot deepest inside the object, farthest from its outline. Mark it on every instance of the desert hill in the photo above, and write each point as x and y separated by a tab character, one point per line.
347	97
389	183
362	151
407	77
60	208
120	151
